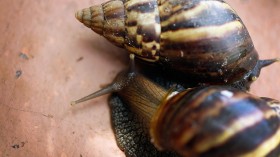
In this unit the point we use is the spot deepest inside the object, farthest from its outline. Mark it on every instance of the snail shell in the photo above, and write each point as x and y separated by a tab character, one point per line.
205	121
204	40
216	121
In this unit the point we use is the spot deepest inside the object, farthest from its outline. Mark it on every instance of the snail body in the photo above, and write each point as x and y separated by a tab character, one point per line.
203	40
204	121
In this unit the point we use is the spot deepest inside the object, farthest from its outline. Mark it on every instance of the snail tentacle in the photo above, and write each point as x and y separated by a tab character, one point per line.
261	64
122	80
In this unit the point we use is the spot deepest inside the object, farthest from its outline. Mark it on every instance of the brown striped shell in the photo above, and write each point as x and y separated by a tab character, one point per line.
203	39
216	121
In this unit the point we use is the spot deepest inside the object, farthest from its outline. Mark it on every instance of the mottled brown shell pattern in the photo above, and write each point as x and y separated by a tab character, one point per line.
217	121
204	39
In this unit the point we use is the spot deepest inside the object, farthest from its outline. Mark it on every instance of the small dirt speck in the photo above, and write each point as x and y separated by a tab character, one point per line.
18	145
18	73
23	56
15	146
80	59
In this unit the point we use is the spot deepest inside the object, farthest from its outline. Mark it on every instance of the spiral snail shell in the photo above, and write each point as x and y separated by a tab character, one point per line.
205	121
204	40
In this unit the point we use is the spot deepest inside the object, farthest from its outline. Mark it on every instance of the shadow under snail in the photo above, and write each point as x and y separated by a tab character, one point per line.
216	121
203	40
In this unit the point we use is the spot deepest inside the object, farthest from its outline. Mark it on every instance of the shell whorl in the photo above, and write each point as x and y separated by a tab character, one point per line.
143	28
106	19
204	39
131	24
208	121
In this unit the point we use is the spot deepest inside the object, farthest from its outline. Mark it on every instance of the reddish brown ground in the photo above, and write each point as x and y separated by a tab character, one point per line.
47	59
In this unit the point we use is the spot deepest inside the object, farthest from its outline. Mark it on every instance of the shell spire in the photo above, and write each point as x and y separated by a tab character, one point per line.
106	19
92	18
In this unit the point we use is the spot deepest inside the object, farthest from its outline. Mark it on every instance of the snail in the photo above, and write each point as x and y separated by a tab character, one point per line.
202	121
203	40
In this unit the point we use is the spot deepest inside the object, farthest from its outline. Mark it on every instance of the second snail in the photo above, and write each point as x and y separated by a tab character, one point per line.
205	42
212	121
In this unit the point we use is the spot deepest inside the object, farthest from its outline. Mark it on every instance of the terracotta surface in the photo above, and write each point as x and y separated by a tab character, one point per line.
47	59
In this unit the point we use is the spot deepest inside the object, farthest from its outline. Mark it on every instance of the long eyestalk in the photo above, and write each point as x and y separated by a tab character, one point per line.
121	81
109	89
261	63
264	63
